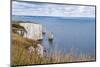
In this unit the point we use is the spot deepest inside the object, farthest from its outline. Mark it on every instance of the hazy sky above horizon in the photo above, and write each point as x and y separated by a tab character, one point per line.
45	9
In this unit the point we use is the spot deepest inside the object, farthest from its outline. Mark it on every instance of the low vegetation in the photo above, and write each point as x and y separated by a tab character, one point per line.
20	55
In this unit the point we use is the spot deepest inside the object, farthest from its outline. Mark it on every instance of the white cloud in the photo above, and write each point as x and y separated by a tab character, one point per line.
43	9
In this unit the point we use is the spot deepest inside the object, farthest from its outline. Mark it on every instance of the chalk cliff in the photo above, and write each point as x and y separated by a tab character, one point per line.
34	31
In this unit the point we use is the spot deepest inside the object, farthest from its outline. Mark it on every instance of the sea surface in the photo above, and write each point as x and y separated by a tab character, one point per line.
71	34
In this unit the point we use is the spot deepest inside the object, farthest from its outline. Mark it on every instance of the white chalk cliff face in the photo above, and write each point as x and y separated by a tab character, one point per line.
34	31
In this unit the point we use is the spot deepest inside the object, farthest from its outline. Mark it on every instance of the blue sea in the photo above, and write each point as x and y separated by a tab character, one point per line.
75	34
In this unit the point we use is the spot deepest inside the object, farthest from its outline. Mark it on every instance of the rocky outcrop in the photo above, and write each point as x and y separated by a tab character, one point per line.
34	31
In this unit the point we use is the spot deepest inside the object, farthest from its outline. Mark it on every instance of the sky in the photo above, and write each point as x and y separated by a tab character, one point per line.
45	9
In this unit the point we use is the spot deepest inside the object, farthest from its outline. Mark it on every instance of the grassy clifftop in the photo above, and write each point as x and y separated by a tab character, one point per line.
20	55
19	40
19	51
